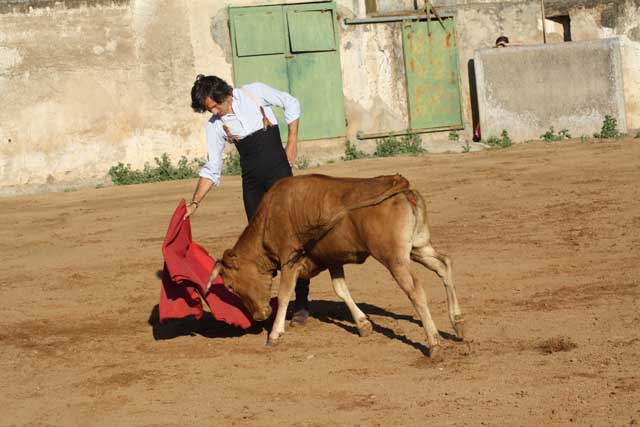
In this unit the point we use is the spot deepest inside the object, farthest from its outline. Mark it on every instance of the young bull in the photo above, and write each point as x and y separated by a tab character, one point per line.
311	223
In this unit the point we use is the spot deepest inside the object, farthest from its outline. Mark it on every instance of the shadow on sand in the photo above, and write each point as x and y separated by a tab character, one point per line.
331	312
207	326
337	313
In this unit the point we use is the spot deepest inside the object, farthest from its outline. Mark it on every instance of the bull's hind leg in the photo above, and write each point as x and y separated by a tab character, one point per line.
441	265
340	287
401	272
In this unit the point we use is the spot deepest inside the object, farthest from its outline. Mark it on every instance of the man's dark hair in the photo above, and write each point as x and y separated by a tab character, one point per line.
211	86
502	39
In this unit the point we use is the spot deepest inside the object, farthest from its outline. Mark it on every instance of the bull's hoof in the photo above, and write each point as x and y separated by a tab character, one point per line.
365	328
459	328
435	352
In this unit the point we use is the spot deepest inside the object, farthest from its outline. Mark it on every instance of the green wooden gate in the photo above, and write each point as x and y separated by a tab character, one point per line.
293	48
433	81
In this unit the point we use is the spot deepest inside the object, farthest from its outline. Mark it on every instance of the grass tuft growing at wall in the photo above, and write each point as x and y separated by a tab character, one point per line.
392	146
609	128
551	136
122	174
503	142
351	152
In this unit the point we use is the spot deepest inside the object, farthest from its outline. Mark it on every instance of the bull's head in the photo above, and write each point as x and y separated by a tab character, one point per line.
247	279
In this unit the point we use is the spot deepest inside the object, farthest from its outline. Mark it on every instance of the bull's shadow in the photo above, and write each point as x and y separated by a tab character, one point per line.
331	312
206	326
337	313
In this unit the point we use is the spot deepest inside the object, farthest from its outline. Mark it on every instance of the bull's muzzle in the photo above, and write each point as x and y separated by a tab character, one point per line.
263	314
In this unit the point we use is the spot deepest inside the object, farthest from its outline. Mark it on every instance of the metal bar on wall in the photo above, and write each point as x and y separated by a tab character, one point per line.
363	135
397	18
544	18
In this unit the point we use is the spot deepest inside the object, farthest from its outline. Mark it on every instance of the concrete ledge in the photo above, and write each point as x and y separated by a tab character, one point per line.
528	89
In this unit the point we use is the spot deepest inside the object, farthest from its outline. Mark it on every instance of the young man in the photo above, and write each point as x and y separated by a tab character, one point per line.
503	41
244	118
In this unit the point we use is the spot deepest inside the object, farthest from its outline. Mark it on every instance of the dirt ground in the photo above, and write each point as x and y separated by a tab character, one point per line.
545	242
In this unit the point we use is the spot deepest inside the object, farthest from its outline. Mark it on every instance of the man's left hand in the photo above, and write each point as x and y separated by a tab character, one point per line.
292	153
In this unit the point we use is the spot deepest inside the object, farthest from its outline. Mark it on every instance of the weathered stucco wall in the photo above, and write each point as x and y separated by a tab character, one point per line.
86	87
596	20
479	24
528	89
86	84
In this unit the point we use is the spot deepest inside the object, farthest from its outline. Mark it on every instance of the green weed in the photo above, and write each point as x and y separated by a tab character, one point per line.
503	142
391	146
351	152
551	136
302	163
466	147
122	174
609	128
231	164
454	136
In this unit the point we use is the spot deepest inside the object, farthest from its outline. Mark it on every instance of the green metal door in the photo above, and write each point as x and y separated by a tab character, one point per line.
259	46
314	71
433	82
293	48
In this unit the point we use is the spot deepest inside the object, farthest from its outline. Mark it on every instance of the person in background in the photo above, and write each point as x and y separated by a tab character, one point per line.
503	41
243	117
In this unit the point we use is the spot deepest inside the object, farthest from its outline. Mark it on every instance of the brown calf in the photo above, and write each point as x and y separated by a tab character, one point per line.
311	223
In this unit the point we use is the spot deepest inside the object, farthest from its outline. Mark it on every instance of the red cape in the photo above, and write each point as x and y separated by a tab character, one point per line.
187	267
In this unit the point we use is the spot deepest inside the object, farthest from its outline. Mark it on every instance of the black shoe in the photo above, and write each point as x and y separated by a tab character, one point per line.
299	317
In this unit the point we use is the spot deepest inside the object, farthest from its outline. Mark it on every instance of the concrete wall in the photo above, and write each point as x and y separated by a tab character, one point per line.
598	19
86	84
528	89
479	24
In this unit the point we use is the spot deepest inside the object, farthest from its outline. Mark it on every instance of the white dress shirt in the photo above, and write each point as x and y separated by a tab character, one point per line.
246	120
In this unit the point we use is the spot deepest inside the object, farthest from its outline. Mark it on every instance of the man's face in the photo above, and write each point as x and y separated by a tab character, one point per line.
218	109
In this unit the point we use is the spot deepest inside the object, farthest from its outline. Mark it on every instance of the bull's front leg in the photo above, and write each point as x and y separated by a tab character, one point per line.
288	277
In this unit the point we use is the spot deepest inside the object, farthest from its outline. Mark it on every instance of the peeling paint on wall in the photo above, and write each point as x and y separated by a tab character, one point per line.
220	34
9	58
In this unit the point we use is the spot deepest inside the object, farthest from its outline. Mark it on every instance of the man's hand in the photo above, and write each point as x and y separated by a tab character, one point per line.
292	142
191	208
202	188
292	153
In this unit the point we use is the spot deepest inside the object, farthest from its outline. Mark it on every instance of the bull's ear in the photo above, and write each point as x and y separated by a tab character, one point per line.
230	259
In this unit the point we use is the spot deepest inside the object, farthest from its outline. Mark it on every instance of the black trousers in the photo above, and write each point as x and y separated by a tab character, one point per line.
263	162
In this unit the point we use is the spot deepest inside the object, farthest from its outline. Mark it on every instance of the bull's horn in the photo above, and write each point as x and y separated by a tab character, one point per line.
214	274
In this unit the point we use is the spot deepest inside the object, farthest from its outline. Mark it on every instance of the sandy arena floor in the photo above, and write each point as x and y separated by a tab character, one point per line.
545	241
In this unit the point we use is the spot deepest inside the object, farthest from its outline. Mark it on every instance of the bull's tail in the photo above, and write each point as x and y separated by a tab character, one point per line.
424	253
420	236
